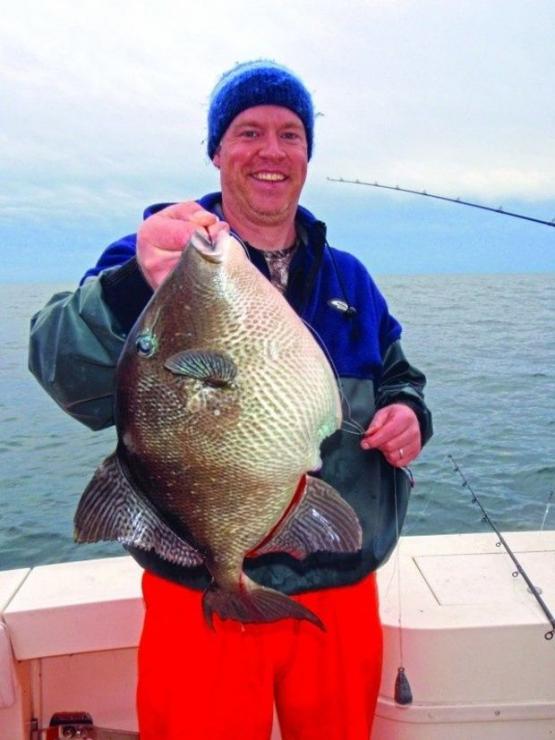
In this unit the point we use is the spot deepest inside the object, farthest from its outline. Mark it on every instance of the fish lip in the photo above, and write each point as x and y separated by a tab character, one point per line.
206	248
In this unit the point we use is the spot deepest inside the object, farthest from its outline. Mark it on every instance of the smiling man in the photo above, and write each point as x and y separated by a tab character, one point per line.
222	684
262	160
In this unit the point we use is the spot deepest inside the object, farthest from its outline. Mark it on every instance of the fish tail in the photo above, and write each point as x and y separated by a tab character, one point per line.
253	603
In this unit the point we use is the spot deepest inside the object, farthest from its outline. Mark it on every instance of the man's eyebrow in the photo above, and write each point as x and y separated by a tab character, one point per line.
245	123
257	124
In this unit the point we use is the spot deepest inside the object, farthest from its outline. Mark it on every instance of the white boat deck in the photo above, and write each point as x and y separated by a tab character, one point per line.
473	640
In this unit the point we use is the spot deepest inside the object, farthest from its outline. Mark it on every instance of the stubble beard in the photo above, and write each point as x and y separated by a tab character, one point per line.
271	217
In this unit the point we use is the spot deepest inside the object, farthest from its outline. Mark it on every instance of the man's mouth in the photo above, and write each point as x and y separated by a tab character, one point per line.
269	176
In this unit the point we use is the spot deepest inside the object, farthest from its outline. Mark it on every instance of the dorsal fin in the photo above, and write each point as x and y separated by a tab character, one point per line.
110	509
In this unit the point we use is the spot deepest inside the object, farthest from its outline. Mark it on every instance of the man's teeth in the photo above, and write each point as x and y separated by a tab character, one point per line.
272	176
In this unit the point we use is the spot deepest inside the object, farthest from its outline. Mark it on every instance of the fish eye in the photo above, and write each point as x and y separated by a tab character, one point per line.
146	344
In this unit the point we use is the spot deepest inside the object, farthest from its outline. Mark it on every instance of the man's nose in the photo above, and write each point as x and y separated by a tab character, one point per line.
272	146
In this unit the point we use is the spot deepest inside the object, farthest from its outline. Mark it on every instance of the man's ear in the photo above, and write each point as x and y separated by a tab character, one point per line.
216	158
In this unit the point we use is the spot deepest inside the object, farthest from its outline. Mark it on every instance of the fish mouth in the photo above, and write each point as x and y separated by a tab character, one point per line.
207	249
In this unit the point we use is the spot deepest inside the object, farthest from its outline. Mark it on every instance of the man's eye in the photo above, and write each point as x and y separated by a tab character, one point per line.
249	134
293	137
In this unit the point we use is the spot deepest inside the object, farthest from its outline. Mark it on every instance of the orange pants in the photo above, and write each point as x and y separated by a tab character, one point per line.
201	684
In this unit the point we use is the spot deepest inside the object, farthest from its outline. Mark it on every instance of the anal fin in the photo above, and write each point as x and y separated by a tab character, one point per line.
322	521
110	509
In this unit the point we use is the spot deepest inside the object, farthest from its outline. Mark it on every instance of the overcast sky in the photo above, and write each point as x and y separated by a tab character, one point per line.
104	106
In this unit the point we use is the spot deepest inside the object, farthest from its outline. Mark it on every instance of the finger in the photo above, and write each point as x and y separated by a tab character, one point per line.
203	218
378	420
164	234
391	445
382	436
388	424
402	450
406	438
218	228
388	443
377	432
402	456
160	271
160	246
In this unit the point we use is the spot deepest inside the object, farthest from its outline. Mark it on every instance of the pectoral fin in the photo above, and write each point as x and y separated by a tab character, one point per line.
322	521
110	509
210	366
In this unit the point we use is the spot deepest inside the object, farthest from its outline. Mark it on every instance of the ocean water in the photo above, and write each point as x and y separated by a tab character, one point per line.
486	344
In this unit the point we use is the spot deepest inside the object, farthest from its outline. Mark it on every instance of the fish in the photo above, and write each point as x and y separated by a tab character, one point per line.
223	398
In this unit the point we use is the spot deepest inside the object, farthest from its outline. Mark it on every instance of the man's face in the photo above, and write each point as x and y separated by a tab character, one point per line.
262	159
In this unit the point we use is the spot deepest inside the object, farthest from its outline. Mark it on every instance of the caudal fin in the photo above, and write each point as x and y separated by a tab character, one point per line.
253	603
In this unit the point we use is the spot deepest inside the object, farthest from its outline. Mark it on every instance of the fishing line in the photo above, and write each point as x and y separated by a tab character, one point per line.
356	428
549	500
241	242
499	210
408	528
344	403
410	476
402	692
519	569
351	431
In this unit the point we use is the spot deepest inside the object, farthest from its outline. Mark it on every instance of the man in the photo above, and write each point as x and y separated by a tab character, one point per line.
198	683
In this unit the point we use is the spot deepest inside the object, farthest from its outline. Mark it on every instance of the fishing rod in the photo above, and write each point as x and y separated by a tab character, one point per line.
519	569
444	197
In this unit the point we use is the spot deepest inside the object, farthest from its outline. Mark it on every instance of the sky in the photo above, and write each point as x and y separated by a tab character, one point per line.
104	107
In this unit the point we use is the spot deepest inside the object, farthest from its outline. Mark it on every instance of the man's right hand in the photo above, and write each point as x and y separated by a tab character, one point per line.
164	235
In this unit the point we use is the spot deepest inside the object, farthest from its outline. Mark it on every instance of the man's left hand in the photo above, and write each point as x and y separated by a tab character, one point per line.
394	431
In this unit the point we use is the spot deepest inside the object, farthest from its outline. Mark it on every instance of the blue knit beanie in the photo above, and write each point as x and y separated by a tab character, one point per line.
261	82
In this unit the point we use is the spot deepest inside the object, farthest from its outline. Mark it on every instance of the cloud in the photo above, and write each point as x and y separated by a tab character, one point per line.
105	103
